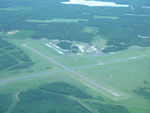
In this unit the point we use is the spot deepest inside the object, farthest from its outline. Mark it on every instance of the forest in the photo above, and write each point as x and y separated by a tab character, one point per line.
5	102
49	99
12	58
54	98
120	34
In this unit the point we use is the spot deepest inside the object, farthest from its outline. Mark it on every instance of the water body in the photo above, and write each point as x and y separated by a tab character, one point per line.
95	3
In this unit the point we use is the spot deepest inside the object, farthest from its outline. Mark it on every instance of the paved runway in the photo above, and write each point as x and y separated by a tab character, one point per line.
72	70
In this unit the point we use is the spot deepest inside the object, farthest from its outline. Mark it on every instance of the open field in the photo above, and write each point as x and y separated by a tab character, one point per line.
109	73
106	17
90	29
15	8
123	54
75	61
18	34
57	20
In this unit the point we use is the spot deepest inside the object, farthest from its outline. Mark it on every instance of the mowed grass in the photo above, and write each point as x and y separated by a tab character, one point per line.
75	61
125	77
41	47
118	74
130	52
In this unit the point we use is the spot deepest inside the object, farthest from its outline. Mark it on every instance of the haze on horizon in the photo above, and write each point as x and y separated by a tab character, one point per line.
95	3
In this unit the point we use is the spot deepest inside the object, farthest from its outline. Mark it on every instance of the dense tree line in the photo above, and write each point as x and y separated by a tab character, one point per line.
49	99
65	89
120	34
12	58
110	108
53	98
143	90
5	102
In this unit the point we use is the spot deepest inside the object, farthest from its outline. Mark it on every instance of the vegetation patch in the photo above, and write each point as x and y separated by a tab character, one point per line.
57	20
5	102
12	58
15	8
109	108
53	20
43	100
75	61
63	31
17	34
90	29
64	45
65	89
143	90
106	17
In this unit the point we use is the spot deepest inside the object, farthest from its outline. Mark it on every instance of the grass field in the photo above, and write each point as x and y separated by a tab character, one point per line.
90	29
120	72
57	20
106	17
20	34
17	8
75	61
131	52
